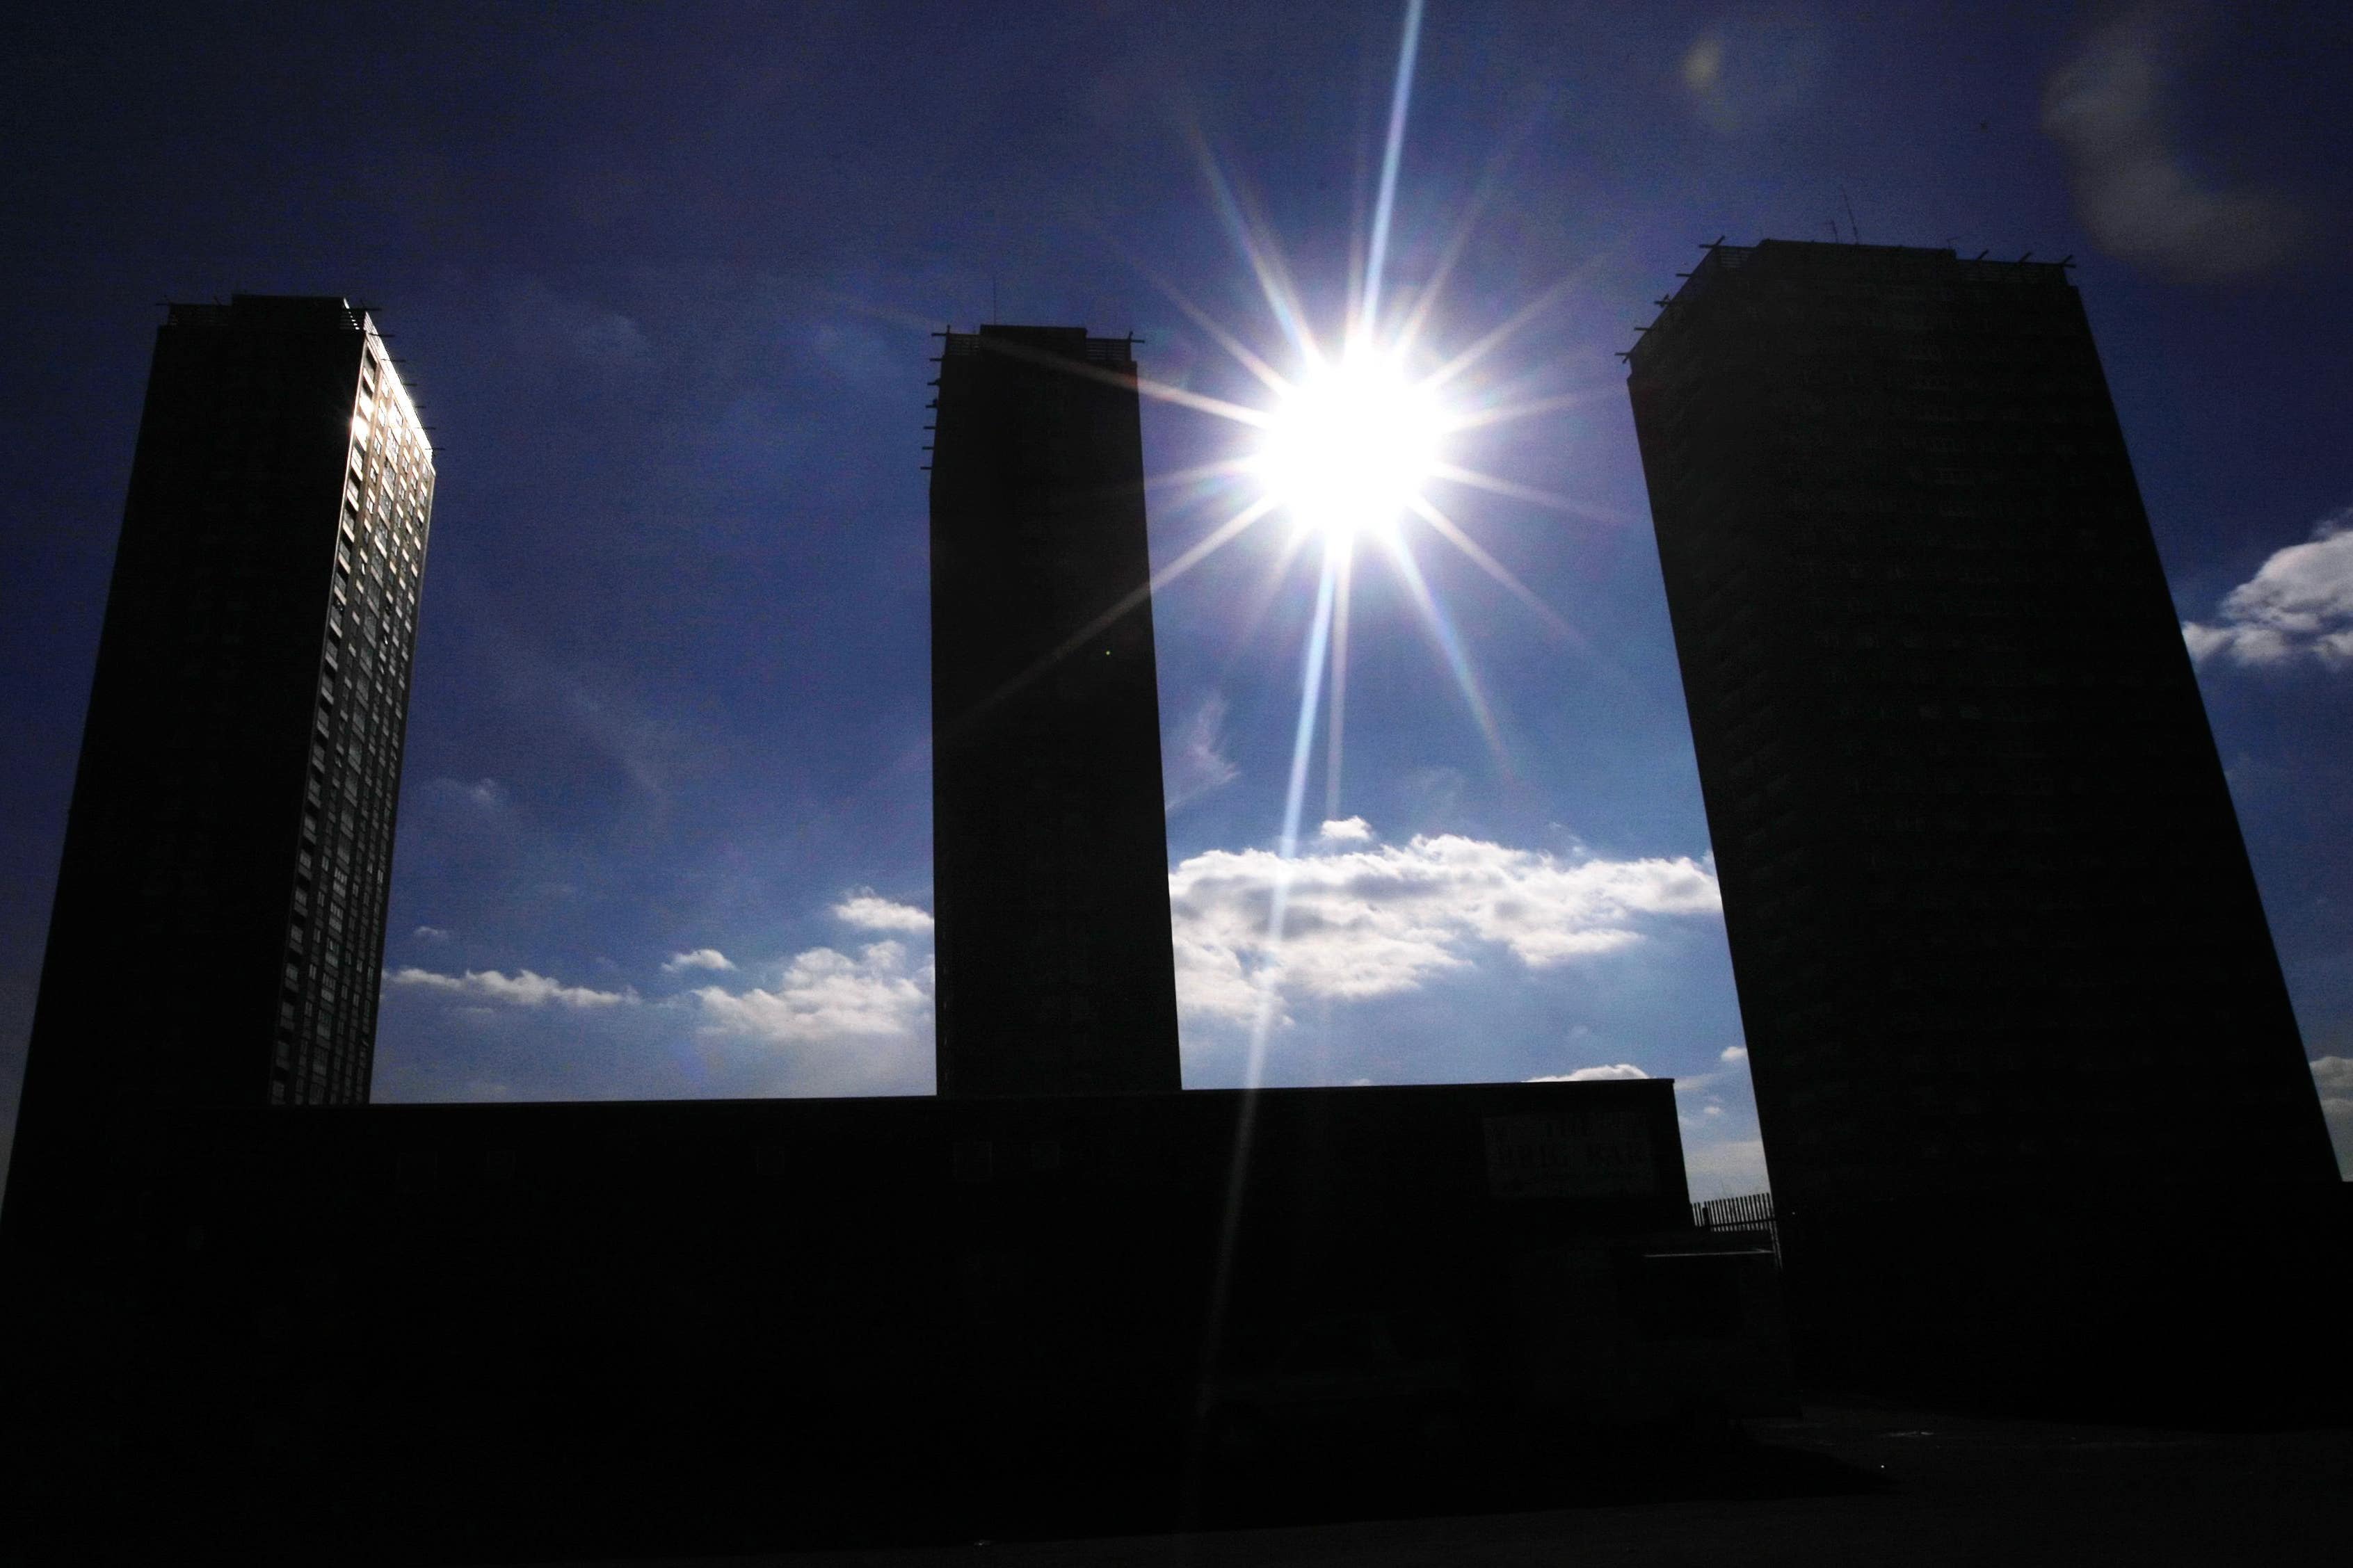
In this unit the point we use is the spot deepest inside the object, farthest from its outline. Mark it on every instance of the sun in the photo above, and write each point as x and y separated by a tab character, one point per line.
1348	446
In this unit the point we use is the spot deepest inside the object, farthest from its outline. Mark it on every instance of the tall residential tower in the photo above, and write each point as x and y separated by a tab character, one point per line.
218	935
1050	857
1995	933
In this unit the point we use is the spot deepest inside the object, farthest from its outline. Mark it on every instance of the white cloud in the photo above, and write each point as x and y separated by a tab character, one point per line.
1197	763
521	989
827	997
2298	604
2333	1075
430	934
867	911
1348	829
2135	193
1593	1075
701	958
1378	922
1733	1053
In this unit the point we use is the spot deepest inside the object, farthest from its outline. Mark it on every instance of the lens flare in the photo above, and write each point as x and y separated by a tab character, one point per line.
1347	448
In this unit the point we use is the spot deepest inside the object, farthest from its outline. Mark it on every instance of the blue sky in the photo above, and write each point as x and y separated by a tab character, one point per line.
662	280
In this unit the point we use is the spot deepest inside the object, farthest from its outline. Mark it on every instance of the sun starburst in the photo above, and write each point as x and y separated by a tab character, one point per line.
1348	448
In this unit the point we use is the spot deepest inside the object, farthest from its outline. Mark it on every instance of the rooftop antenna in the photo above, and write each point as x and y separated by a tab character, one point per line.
1853	233
994	319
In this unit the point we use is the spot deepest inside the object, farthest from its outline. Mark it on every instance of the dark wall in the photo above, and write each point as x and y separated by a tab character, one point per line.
594	1329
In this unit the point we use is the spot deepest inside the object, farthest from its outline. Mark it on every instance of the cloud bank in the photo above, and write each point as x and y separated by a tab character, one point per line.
2297	605
1365	921
2133	191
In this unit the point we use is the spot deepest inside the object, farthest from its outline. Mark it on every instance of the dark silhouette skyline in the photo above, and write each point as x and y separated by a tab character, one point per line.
1061	1296
667	833
671	693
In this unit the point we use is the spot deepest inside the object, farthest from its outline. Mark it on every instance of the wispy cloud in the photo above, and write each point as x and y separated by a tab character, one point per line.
1373	922
701	958
2134	192
521	989
477	795
2297	605
865	910
1197	763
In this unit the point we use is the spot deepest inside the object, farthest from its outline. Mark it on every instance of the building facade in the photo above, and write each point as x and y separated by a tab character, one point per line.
1050	852
1991	920
218	934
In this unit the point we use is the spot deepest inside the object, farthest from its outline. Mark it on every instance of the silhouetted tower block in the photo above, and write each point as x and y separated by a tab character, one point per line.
1991	917
217	936
1050	861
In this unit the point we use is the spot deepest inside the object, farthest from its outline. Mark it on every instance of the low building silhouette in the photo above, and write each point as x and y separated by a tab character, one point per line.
599	1330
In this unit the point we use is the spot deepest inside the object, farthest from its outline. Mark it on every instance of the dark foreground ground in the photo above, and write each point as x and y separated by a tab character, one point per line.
1844	1484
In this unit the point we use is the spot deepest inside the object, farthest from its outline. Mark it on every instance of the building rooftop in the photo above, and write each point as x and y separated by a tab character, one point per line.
1824	261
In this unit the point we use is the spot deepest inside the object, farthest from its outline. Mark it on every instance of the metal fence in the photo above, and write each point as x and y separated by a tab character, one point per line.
1750	1211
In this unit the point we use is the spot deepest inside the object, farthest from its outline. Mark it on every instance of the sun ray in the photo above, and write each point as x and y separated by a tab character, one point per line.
1451	531
1502	333
1261	603
1449	647
1392	154
1287	846
1528	493
1505	413
1347	551
1164	392
1268	375
1258	249
1224	532
1239	414
1199	473
1457	244
1311	688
